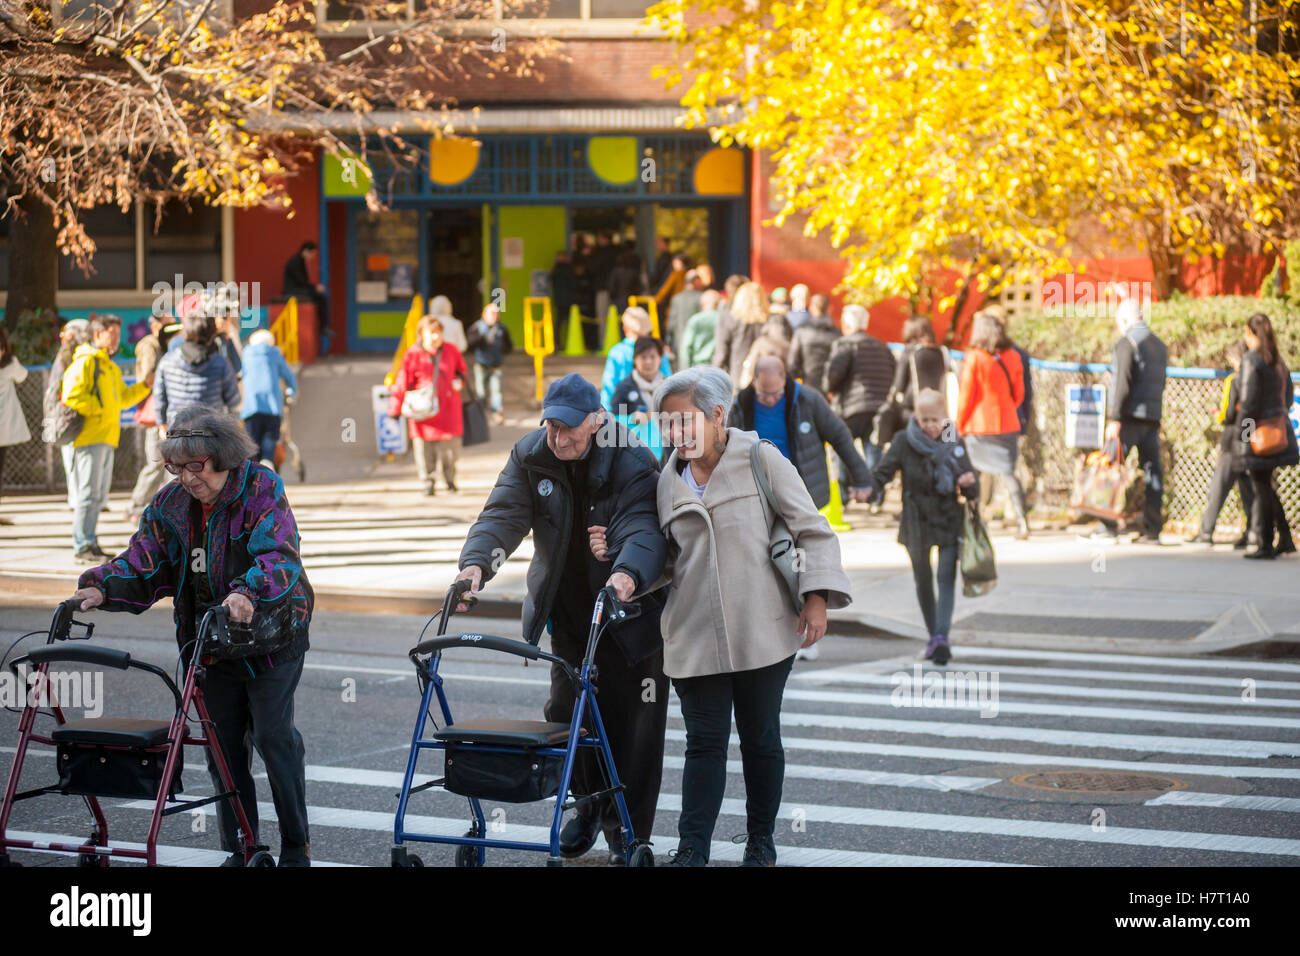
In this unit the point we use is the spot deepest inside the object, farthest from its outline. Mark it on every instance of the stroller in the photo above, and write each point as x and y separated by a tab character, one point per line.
123	756
513	761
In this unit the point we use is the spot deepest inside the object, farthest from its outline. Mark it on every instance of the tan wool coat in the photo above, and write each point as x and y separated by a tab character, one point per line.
727	608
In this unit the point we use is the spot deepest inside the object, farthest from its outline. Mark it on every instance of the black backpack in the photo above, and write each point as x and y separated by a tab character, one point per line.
68	422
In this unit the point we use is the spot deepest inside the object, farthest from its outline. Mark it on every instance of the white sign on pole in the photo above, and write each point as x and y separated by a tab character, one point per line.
1085	415
390	434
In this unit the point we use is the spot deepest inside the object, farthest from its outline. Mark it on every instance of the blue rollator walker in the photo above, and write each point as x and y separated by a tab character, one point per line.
512	761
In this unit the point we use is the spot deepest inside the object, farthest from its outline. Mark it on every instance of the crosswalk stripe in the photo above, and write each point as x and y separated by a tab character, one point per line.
1074	690
1230	801
1007	757
1078	711
1031	829
885	700
382	822
167	855
989	730
1141	677
972	652
938	782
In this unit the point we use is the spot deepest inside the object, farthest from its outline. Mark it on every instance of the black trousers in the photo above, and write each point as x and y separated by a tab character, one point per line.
264	429
1145	436
633	701
706	708
1267	518
938	617
257	713
1221	482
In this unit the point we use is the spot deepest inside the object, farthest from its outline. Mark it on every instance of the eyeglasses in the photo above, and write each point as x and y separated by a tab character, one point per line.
194	466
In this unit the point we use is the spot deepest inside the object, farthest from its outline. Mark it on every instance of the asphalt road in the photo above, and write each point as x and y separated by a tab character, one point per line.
868	783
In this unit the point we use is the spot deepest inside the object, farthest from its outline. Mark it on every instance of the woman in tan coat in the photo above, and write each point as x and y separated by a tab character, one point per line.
730	627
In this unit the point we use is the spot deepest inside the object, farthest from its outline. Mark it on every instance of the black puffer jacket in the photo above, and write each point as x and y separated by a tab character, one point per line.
533	494
810	425
1264	394
929	519
810	350
859	374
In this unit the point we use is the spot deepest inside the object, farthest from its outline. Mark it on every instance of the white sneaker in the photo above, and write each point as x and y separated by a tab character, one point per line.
808	653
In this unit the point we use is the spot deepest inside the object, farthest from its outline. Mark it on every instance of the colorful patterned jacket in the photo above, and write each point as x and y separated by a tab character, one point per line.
250	548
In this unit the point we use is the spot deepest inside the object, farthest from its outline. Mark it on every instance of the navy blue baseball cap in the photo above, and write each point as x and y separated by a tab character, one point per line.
570	400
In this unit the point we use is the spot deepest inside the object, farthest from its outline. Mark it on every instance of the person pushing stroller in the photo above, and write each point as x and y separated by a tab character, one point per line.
586	490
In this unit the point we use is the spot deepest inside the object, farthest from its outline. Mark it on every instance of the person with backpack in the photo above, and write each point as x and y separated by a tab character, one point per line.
75	333
94	389
489	343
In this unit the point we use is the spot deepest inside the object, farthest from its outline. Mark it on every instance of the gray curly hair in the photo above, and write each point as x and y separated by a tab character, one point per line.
220	437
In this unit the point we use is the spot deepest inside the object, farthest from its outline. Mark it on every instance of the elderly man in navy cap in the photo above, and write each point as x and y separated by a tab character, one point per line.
585	488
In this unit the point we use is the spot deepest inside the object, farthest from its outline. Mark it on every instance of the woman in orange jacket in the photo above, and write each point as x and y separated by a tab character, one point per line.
988	408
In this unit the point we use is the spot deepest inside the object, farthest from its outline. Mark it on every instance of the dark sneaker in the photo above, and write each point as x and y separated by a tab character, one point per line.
1147	537
617	851
686	857
295	856
759	851
932	648
942	650
1261	554
235	859
98	551
451	486
578	835
1243	542
1199	538
429	490
86	555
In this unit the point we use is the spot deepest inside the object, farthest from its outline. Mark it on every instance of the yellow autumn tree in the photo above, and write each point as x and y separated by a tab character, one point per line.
977	134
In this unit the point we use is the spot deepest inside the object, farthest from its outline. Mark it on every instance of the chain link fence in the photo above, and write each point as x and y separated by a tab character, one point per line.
1189	443
37	465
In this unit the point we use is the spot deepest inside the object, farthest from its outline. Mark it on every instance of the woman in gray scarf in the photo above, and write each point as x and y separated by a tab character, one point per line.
935	468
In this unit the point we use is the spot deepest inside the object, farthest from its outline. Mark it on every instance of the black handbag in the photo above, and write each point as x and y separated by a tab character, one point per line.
475	430
90	770
522	777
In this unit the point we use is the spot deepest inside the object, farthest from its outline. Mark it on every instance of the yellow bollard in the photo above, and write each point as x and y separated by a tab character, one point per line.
573	343
613	329
834	512
539	336
651	305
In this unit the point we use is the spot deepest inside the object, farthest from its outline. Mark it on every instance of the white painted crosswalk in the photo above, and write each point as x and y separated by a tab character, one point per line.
877	784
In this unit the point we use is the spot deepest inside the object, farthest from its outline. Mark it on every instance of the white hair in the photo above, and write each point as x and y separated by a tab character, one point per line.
1128	312
440	306
262	337
854	319
799	296
704	386
639	319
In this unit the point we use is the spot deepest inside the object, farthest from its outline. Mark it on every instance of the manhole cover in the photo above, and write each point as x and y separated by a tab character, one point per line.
1086	781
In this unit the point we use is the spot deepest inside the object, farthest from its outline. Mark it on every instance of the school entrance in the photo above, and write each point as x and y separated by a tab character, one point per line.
484	220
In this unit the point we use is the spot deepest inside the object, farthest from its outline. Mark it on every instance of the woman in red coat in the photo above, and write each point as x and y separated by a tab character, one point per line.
992	389
436	436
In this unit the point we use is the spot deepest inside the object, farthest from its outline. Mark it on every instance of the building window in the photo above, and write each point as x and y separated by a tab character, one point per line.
342	16
115	250
188	243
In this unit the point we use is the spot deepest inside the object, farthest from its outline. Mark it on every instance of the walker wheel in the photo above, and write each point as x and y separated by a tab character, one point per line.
413	860
7	861
261	858
641	856
91	861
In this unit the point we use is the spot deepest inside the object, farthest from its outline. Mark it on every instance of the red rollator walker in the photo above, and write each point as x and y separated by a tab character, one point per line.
122	756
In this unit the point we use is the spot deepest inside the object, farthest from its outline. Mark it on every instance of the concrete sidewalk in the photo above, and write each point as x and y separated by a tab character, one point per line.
372	543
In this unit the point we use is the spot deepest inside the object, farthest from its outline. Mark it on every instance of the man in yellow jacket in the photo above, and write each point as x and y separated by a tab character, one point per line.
93	385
